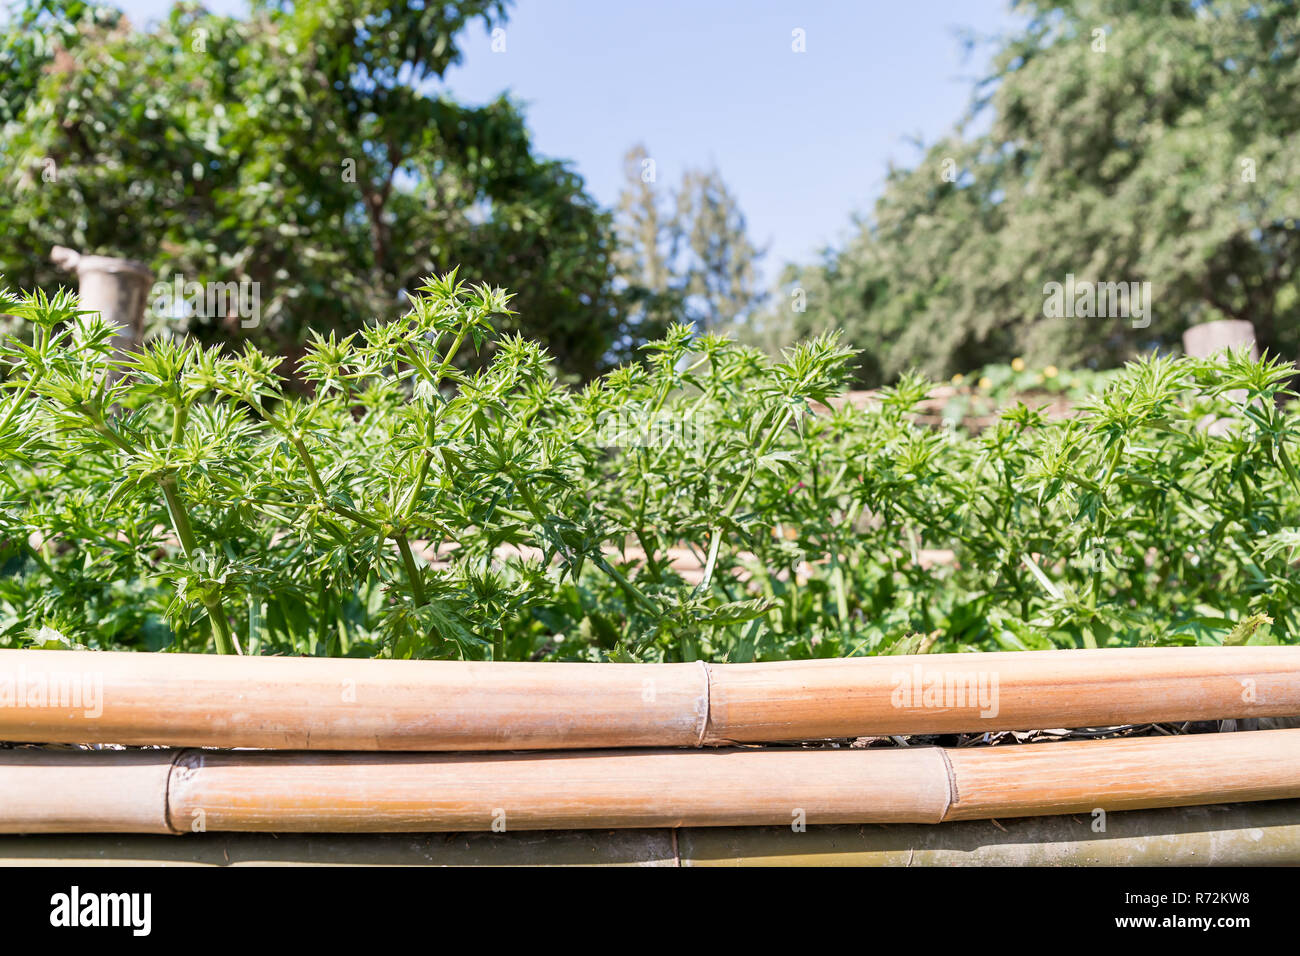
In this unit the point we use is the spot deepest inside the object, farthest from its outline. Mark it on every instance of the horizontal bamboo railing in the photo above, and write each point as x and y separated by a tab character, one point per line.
161	791
185	700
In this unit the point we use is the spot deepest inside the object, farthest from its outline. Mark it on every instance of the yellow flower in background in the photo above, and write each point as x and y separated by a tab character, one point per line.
1051	371
958	378
1018	364
986	382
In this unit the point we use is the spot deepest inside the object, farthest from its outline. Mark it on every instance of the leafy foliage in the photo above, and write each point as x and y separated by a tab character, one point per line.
305	148
182	497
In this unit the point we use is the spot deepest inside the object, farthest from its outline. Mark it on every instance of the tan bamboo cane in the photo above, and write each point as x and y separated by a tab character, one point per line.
344	704
76	791
368	792
952	693
1126	774
1264	833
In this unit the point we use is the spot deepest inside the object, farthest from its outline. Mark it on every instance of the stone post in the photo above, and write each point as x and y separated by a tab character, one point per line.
1210	338
118	289
1202	341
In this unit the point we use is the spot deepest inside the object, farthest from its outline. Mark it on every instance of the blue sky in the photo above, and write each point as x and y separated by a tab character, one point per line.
804	140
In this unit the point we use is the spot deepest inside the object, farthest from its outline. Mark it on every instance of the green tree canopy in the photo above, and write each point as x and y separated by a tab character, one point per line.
1130	141
305	148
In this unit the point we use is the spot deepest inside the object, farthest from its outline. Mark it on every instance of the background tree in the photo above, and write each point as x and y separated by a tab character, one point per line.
720	277
646	244
1129	141
305	148
685	253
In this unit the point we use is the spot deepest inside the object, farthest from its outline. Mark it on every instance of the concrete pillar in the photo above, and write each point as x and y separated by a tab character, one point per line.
1204	340
1210	338
118	289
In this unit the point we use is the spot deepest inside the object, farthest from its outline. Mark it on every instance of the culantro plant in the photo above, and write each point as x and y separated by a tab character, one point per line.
710	503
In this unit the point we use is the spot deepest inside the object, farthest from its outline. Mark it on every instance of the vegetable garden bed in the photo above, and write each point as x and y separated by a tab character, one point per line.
698	507
710	549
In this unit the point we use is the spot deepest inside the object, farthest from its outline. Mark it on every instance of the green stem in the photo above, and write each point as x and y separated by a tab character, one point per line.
300	447
412	571
39	558
42	343
408	506
27	388
651	564
422	475
180	415
740	493
753	468
318	486
181	522
403	544
221	629
628	587
449	358
598	560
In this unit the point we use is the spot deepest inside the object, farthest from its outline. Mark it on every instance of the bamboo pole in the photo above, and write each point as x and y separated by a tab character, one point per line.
301	703
1265	833
368	792
535	848
1247	834
954	693
61	791
1126	774
342	704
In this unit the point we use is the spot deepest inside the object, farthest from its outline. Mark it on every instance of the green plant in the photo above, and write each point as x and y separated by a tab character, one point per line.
691	507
